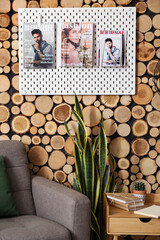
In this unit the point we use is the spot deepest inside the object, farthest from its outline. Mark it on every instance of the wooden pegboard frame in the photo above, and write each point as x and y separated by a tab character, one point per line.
82	81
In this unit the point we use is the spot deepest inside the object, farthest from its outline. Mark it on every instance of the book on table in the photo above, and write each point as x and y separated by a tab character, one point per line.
123	197
152	211
127	206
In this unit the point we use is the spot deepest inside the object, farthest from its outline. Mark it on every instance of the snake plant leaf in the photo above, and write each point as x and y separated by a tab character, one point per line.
95	225
102	151
111	183
78	143
95	145
124	184
81	130
78	165
81	136
78	108
112	177
113	161
92	139
106	178
67	129
97	188
76	185
88	162
115	189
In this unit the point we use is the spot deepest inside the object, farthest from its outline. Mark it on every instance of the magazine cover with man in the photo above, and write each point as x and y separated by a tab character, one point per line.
76	44
111	48
38	45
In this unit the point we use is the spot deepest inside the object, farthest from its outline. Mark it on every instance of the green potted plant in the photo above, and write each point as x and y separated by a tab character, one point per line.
93	176
139	189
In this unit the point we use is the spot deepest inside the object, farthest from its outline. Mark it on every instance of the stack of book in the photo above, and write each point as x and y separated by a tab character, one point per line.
126	201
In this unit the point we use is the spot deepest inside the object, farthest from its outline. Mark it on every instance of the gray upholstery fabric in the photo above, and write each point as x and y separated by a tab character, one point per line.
67	211
32	228
18	172
62	205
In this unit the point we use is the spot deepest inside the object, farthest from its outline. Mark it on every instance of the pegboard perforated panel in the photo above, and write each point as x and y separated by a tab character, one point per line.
82	81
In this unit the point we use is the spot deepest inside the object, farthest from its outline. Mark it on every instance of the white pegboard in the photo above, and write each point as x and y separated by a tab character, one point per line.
82	81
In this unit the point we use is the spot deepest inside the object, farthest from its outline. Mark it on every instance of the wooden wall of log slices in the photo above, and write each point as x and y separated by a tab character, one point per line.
60	176
122	114
144	94
62	113
119	147
38	156
145	51
4	83
57	160
45	172
140	147
131	122
20	124
71	3
92	116
140	128
44	104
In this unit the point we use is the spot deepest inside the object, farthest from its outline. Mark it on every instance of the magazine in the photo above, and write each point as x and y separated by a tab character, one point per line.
76	44
111	50
38	45
151	211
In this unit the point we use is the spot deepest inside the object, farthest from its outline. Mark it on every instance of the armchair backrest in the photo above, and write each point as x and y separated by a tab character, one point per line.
17	168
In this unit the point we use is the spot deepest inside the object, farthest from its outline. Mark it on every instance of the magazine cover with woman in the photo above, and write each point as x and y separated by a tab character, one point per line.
76	44
111	48
38	45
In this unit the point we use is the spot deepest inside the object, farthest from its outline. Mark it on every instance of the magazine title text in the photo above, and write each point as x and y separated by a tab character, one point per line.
110	32
77	25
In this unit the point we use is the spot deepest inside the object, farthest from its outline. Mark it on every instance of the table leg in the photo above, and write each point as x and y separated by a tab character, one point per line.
115	237
110	237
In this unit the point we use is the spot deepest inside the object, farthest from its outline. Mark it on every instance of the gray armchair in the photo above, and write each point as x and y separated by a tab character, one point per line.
48	210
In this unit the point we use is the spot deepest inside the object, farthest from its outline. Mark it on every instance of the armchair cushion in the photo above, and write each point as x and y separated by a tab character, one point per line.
31	227
16	164
7	204
62	205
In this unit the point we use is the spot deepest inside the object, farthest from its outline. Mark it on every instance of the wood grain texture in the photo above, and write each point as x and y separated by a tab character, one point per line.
5	6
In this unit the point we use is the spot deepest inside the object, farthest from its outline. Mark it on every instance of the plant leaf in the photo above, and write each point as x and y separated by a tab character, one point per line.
111	183
113	161
95	225
124	184
102	151
106	178
89	172
95	145
81	130
81	135
92	139
76	185
97	188
78	165
115	189
78	108
78	143
67	129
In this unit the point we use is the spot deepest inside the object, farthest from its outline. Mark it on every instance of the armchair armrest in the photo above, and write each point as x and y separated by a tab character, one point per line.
62	205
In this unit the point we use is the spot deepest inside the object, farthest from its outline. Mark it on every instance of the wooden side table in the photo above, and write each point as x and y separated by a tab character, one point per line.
121	222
